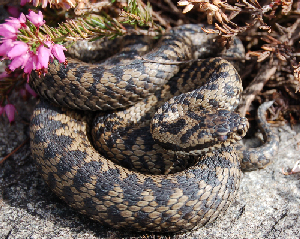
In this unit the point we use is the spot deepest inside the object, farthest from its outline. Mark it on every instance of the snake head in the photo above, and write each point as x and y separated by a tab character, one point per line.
198	132
228	126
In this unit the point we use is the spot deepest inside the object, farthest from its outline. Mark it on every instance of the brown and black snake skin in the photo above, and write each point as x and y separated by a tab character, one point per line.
164	127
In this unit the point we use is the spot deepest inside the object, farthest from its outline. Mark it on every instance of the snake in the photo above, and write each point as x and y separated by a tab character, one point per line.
146	142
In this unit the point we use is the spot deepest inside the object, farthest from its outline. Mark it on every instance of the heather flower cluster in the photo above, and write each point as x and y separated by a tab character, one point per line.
30	55
27	49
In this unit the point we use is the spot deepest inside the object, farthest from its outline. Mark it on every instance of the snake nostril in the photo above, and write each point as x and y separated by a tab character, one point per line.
222	138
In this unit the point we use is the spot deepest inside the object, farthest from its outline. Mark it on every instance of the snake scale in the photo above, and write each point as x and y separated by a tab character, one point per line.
164	127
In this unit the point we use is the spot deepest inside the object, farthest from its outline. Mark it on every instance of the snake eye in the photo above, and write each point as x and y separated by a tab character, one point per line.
240	132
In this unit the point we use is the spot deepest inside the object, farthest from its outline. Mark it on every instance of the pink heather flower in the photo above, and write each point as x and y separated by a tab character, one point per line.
13	11
6	46
22	18
36	19
9	30
23	2
31	63
19	52
10	112
58	52
29	90
13	22
19	61
19	48
16	23
44	54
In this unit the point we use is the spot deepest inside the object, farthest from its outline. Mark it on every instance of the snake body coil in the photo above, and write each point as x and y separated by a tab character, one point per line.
190	112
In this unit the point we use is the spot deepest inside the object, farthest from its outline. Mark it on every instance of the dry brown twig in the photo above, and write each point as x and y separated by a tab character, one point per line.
15	150
224	13
281	49
214	9
264	74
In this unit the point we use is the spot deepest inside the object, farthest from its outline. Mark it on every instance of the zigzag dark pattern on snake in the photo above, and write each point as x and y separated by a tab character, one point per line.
190	108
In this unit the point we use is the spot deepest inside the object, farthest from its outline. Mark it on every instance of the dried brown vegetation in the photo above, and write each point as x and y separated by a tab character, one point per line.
270	31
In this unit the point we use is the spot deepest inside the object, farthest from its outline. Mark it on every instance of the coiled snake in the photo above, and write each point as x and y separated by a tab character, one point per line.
168	184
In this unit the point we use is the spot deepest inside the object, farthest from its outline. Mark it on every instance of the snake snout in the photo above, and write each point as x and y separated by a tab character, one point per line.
240	128
228	126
